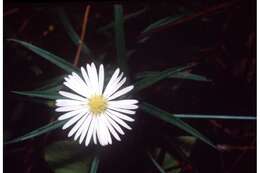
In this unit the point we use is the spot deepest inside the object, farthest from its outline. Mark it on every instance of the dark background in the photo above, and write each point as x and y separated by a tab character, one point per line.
222	41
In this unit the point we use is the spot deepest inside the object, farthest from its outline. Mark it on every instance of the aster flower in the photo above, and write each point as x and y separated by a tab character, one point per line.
93	110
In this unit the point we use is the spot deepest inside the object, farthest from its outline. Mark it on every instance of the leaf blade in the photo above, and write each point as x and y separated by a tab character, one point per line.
120	37
180	75
42	130
72	33
127	17
51	93
94	165
146	82
167	117
156	164
58	61
222	117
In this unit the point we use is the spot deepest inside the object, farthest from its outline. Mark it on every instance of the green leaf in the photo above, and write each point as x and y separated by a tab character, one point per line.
52	83
120	38
42	130
72	33
221	117
180	75
170	164
68	67
127	17
67	157
162	22
51	93
186	143
94	165
166	116
190	76
143	83
156	164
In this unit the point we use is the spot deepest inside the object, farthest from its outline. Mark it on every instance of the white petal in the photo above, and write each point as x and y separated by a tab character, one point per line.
122	110
111	129
118	120
68	108
77	126
68	102
124	104
73	85
86	78
114	124
82	84
72	114
95	135
101	136
76	84
72	121
111	81
121	92
105	129
121	116
92	73
115	87
83	129
90	131
101	78
72	96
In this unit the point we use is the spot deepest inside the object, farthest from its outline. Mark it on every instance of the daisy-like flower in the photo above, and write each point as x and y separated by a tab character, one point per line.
94	111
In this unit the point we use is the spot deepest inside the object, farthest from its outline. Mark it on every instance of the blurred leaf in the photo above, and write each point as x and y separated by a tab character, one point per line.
94	165
120	38
68	67
179	75
55	82
67	157
190	76
72	33
166	116
156	164
51	93
170	164
145	82
42	130
162	22
186	143
130	16
222	117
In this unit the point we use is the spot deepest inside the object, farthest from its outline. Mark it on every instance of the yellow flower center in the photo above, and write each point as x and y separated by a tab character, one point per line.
97	104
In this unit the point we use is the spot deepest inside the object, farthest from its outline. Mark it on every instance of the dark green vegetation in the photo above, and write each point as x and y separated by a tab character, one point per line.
193	67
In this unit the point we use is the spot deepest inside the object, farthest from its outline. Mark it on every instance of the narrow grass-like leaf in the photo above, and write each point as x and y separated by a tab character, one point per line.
156	164
55	82
156	24
63	64
166	116
127	17
51	93
143	83
72	33
42	130
170	164
190	76
221	117
94	165
120	38
181	75
162	22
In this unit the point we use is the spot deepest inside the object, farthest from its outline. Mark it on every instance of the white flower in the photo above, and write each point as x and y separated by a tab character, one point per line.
92	109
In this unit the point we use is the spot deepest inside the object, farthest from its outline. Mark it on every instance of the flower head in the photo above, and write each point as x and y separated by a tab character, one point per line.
93	110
